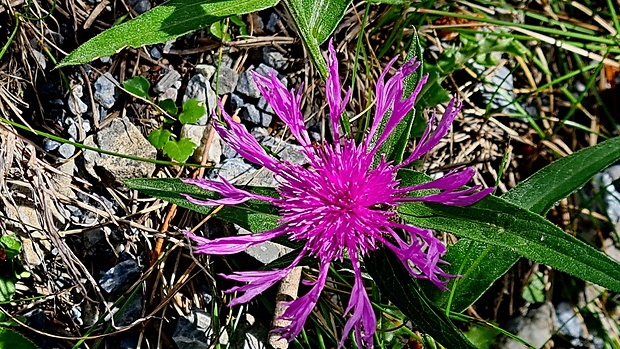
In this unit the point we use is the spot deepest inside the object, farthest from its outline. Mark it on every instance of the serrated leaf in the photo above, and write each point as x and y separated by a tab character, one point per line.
10	338
253	215
158	138
169	106
181	150
138	86
483	264
315	21
395	282
193	110
165	22
497	222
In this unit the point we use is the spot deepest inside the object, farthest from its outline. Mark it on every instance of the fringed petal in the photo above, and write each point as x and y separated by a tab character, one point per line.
286	104
231	194
257	282
362	318
298	310
422	256
384	100
233	244
400	109
333	93
450	192
427	143
238	137
389	96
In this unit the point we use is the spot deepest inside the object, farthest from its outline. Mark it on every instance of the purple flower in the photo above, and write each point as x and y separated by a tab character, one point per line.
343	203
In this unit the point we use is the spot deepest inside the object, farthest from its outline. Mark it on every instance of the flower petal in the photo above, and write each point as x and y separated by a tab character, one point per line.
400	110
233	244
450	190
298	310
426	144
238	137
422	256
333	93
385	99
363	317
389	96
231	194
286	104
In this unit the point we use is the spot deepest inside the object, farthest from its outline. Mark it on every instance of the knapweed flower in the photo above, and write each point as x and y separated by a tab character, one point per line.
342	200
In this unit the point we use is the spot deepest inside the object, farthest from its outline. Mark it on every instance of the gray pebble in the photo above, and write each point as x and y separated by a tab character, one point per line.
105	90
141	6
66	150
199	88
272	24
50	144
226	81
73	131
246	85
120	277
206	70
236	101
249	113
274	58
264	106
154	52
167	81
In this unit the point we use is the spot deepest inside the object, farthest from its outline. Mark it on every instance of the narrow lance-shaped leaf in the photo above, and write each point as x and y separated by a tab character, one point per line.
165	22
395	282
482	264
253	216
497	222
315	21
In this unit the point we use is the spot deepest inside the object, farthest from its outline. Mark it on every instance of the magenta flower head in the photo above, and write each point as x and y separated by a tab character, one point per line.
342	204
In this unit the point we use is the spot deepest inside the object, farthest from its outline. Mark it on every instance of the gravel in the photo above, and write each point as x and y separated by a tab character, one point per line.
105	90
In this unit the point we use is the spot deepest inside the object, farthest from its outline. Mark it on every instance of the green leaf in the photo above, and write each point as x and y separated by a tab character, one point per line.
432	93
193	110
138	86
163	23
542	190
395	282
482	264
315	21
169	106
159	138
253	215
7	288
391	2
181	150
10	338
482	337
11	246
217	30
497	222
534	291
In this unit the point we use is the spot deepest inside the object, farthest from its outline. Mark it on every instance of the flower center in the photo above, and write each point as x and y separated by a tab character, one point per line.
339	201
